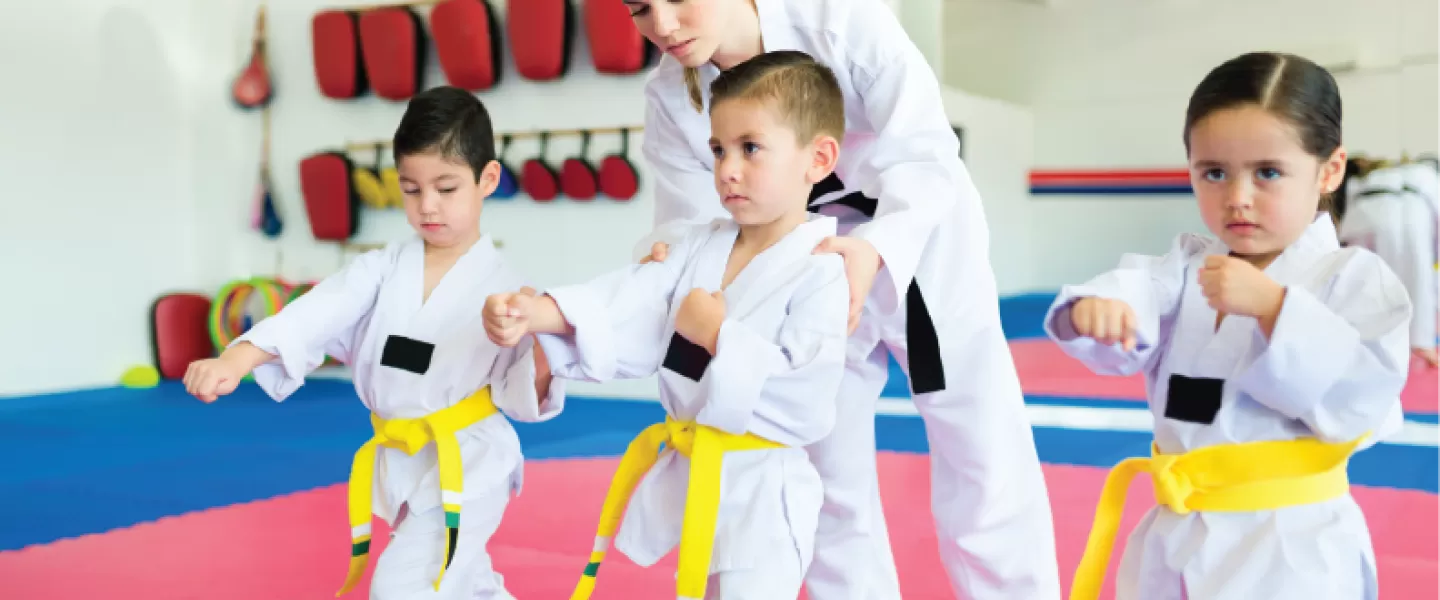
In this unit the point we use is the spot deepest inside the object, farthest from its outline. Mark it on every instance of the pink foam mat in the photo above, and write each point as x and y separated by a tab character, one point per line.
296	546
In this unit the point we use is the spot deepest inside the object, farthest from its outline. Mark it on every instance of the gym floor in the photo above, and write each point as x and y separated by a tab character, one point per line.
125	494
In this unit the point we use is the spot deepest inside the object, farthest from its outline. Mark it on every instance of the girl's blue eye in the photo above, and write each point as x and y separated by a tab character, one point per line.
1214	175
1268	173
751	147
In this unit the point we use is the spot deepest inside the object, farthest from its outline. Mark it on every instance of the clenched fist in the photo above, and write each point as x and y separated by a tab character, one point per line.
1235	287
507	316
1105	321
699	318
211	378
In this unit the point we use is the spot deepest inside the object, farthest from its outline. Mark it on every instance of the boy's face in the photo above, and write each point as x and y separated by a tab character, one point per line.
443	199
762	172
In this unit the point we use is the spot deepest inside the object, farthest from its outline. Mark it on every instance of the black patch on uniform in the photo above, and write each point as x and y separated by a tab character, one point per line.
686	358
927	371
406	354
1194	399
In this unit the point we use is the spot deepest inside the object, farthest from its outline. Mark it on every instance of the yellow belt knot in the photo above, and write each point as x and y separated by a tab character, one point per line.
705	446
1173	488
1246	477
680	435
411	436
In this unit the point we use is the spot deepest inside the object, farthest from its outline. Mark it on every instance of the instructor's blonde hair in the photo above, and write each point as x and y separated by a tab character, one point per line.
804	93
692	85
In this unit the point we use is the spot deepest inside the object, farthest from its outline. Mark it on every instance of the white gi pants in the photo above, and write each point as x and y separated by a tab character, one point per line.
407	568
776	578
988	493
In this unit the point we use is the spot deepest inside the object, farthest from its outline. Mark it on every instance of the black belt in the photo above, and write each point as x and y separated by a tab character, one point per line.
927	371
1386	191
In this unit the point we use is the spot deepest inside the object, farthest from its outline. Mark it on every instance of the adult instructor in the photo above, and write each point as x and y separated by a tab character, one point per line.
920	279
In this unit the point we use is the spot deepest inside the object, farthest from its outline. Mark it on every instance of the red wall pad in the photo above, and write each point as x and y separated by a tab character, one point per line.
467	40
335	46
540	32
330	198
616	46
394	41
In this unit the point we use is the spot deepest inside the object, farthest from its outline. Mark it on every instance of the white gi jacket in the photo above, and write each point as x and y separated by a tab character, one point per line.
352	314
777	369
1333	368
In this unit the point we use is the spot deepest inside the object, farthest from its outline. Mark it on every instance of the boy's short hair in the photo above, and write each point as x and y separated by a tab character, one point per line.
448	121
804	93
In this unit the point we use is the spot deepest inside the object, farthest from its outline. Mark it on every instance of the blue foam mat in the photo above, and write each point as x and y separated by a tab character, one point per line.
111	458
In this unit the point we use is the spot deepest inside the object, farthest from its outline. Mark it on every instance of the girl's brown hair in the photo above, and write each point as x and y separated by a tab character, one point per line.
1290	87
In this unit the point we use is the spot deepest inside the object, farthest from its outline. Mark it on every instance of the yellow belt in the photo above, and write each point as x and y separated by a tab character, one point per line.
705	446
1245	477
410	436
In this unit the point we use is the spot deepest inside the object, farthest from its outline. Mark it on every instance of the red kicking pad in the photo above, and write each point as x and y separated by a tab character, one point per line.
616	46
540	33
467	40
335	51
394	42
179	333
331	201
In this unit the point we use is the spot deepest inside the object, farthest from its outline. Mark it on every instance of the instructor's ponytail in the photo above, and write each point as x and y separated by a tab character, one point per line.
692	85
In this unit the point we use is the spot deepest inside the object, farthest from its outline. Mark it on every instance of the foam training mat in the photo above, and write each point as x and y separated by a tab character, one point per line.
151	494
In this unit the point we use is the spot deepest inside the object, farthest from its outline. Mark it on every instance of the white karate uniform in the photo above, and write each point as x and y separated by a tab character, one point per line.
1333	369
1394	214
901	185
350	316
778	366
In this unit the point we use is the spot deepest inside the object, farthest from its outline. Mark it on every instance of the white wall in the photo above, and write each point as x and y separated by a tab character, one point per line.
98	214
132	173
1107	82
998	153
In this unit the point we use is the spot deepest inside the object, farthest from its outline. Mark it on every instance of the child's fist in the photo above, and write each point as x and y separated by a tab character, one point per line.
211	378
1104	320
507	316
699	318
1235	287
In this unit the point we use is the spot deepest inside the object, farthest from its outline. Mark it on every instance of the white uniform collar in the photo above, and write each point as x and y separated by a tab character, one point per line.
1318	240
776	32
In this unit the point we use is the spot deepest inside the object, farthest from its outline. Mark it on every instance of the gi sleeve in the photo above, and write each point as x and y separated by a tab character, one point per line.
684	184
1338	364
783	389
1151	285
911	172
621	320
320	322
512	383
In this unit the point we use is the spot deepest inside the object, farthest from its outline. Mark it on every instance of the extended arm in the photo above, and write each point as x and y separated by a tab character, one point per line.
320	322
1150	285
616	323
